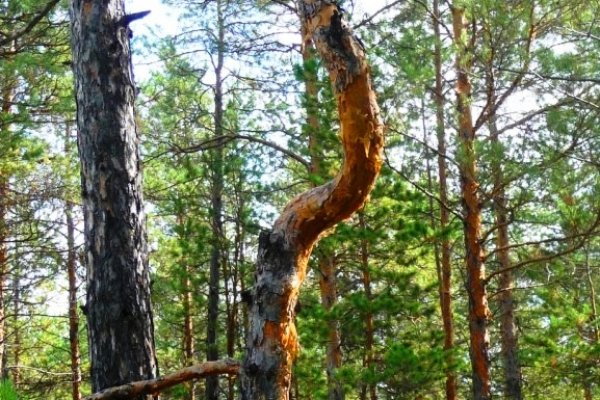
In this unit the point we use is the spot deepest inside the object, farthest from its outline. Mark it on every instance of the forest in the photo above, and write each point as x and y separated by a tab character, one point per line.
299	200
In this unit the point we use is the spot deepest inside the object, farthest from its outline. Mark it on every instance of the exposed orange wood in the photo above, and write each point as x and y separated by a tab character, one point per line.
478	305
284	250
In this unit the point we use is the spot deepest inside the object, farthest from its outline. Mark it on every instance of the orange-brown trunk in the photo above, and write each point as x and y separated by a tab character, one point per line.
476	290
284	250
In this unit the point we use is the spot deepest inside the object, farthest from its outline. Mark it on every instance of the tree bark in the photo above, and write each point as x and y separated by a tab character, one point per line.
188	328
506	304
16	328
212	349
284	250
120	326
7	97
476	290
445	268
73	312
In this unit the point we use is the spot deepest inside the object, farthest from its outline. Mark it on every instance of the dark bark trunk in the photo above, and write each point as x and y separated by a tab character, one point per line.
212	349
445	268
119	312
283	251
476	290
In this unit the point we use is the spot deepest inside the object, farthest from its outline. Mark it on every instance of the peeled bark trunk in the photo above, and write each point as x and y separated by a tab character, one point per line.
328	278
445	268
476	290
284	250
120	326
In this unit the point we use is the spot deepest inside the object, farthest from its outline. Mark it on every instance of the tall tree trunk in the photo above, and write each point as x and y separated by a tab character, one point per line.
3	272
16	331
476	290
284	250
7	97
445	268
188	328
369	324
328	289
212	349
72	278
506	303
326	260
73	314
120	326
593	331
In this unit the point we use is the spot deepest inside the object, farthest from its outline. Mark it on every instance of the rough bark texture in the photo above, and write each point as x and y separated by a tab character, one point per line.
212	323
445	268
478	305
284	250
16	331
153	386
118	284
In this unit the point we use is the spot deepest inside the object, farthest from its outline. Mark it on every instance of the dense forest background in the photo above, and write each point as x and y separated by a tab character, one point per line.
237	116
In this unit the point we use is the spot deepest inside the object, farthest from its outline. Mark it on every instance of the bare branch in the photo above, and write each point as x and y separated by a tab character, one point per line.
151	386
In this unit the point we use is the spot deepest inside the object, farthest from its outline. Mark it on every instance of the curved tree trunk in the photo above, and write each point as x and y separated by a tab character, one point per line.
284	250
120	327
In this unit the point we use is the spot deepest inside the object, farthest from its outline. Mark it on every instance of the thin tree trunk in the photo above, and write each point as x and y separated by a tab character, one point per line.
16	332
73	286
506	303
594	332
369	325
284	250
476	290
73	313
328	278
8	91
188	328
120	326
445	269
3	272
328	289
212	349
